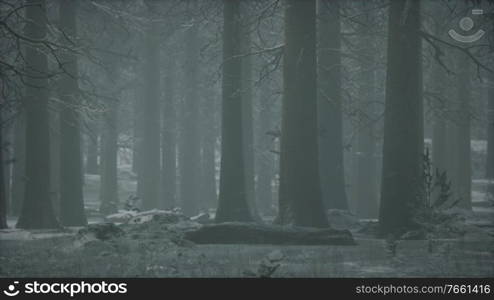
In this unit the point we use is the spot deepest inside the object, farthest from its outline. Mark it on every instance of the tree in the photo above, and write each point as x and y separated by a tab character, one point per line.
109	182
265	160
300	200
37	209
366	178
233	200
439	142
329	106
247	111
149	170
169	137
208	145
401	185
490	138
462	122
18	170
71	195
190	148
92	149
3	198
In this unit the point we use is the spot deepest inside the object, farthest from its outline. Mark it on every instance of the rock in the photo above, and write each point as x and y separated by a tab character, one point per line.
251	233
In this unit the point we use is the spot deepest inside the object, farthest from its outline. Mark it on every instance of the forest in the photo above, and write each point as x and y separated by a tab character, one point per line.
260	138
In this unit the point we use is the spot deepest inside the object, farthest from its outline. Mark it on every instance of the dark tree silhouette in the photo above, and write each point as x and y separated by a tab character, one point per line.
233	202
37	209
71	196
401	185
300	200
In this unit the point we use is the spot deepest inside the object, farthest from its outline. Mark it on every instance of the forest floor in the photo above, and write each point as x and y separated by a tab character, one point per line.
157	249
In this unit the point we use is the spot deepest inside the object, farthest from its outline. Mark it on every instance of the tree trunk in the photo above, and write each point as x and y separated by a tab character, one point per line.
92	145
169	137
190	151
265	160
464	182
37	210
3	195
18	170
300	199
71	196
329	106
247	116
249	233
401	184
109	182
490	138
233	202
208	141
149	170
366	178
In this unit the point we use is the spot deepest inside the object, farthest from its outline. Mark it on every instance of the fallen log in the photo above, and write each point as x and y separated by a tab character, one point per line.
252	233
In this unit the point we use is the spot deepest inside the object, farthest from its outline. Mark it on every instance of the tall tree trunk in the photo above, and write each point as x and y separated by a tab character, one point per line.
3	194
149	171
247	115
439	143
19	170
190	152
401	184
71	196
329	106
265	160
37	209
109	181
208	141
490	138
464	182
233	202
92	150
366	178
300	199
169	137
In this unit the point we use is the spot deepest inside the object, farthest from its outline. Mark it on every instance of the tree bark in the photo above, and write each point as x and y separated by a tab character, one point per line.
149	170
37	209
247	114
169	137
109	181
233	202
208	143
19	170
92	150
401	186
490	138
71	195
464	183
300	199
265	160
329	106
3	195
190	150
366	178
